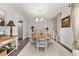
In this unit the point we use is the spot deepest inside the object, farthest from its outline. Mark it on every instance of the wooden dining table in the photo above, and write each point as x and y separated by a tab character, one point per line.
39	36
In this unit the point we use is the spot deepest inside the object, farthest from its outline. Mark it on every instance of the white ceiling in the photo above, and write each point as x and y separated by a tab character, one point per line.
33	10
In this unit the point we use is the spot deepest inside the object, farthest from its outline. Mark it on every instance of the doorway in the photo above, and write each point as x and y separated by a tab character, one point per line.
20	31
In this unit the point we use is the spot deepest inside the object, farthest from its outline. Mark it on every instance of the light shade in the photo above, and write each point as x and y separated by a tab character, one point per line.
41	19
11	23
2	23
37	20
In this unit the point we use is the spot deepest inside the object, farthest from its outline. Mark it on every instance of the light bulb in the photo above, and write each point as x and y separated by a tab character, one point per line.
36	19
0	20
41	19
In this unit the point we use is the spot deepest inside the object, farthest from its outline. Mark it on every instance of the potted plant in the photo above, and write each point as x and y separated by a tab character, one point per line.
8	47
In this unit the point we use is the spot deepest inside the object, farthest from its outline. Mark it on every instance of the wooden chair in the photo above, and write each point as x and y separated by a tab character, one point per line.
42	42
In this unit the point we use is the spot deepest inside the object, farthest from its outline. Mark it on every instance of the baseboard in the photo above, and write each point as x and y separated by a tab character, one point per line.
20	38
27	38
70	50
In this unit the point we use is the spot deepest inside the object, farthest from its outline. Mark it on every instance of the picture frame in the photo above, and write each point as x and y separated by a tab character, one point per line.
65	22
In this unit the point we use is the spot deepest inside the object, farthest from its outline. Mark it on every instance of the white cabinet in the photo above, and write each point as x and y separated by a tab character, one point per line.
12	40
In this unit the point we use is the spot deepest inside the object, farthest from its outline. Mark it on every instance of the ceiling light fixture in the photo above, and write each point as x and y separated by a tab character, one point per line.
39	19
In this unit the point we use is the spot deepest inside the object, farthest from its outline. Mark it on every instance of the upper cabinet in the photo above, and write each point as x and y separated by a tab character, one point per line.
2	17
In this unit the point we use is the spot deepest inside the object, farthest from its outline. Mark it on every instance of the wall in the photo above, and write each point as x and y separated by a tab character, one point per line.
66	36
25	28
56	27
11	14
43	24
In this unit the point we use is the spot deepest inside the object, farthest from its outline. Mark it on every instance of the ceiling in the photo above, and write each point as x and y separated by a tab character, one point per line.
33	10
